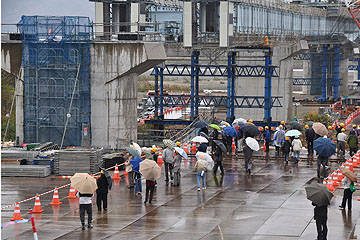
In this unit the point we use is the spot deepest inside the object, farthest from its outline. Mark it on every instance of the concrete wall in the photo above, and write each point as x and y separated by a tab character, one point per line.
11	55
114	72
282	86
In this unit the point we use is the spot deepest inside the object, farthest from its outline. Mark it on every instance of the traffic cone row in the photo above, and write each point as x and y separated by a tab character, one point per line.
160	158
116	173
37	205
55	200
17	214
72	193
233	147
193	148
186	149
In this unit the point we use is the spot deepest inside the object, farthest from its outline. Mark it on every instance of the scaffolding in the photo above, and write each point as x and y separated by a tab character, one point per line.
53	50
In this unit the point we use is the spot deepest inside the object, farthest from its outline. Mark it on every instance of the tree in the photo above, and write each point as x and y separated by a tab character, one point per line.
7	94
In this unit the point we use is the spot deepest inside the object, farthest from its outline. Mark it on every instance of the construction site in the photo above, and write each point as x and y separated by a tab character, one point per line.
143	72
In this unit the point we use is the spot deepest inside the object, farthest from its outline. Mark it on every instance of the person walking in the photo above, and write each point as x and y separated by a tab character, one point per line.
129	170
168	157
338	128
330	133
279	138
320	216
286	149
341	140
248	154
138	185
353	142
356	130
102	191
154	154
202	147
176	169
347	193
85	201
267	139
310	135
150	187
296	147
200	169
218	160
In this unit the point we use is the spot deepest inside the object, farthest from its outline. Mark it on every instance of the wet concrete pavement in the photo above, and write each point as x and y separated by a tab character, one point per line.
269	204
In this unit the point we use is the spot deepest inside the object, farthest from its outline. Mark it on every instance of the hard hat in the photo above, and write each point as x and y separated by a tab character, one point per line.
287	138
266	127
343	129
329	127
102	171
354	126
282	122
250	120
178	144
341	124
306	126
281	127
153	149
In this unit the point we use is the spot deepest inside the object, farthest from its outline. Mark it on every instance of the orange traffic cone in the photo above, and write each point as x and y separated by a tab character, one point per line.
233	147
160	158
37	206
72	193
356	160
264	147
330	184
55	200
351	164
116	173
186	149
335	179
17	215
193	148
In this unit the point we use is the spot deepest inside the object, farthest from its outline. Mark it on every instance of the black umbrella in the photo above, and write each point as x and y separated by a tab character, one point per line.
108	178
221	145
250	130
318	194
204	135
296	125
201	124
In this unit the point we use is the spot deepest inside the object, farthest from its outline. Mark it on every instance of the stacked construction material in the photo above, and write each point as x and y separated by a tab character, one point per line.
24	171
70	161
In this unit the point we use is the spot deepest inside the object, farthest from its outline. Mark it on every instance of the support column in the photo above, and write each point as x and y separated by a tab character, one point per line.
323	72
161	92
336	81
197	53
268	73
192	85
156	98
358	69
233	62
229	82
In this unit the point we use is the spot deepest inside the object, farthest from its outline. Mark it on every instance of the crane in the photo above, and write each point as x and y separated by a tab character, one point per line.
354	8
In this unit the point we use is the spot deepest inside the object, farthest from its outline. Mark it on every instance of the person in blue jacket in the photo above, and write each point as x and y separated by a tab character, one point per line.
267	138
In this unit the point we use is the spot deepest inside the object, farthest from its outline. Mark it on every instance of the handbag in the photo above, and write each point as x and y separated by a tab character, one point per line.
352	187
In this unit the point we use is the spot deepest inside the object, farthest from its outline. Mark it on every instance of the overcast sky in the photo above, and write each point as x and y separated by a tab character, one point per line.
12	10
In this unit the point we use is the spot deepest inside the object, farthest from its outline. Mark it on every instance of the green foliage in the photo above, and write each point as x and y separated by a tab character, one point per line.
315	117
7	94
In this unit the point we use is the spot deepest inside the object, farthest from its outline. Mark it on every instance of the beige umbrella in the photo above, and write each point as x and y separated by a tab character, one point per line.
84	183
150	170
348	174
320	129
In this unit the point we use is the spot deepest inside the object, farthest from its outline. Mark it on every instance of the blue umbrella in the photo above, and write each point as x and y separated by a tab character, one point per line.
132	151
230	131
135	164
324	147
181	152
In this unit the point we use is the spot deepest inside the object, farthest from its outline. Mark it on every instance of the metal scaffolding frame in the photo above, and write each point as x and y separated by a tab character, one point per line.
53	48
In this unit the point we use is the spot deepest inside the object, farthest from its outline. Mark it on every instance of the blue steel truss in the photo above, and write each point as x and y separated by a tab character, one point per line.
311	81
216	70
304	56
354	67
215	101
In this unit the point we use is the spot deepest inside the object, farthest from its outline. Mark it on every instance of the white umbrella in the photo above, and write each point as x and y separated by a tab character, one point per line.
239	121
136	146
199	139
208	159
252	143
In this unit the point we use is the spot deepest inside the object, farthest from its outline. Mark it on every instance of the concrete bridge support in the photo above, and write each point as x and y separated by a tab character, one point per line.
281	86
115	68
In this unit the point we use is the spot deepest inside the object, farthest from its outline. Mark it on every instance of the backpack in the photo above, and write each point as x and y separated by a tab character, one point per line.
352	141
352	187
201	165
